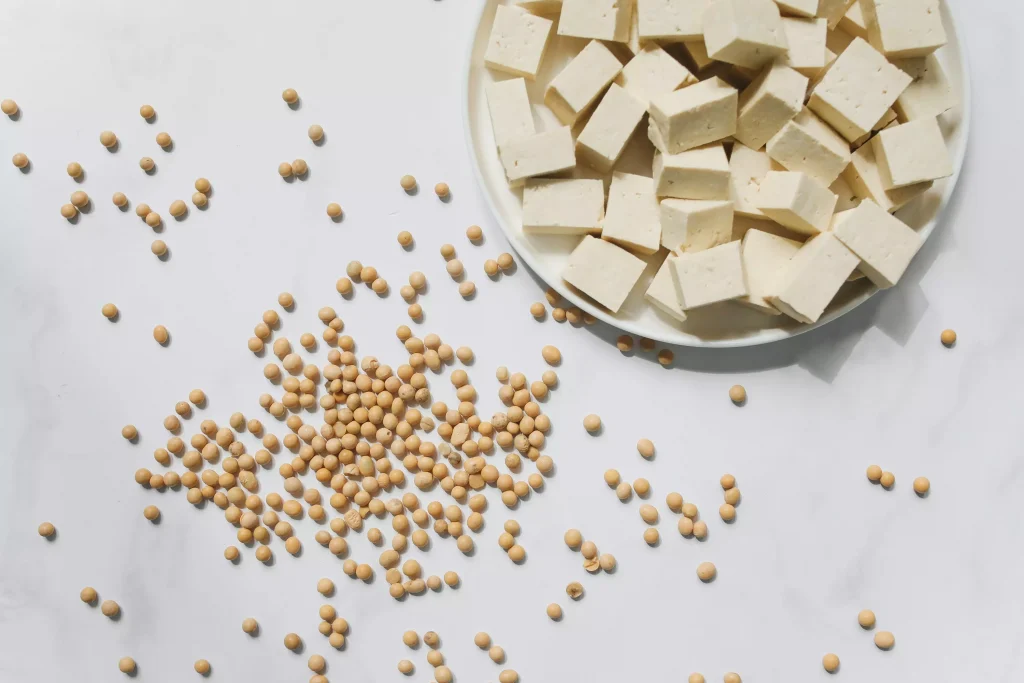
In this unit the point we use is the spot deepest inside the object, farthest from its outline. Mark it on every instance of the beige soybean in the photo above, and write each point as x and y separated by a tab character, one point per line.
885	640
592	423
830	662
866	619
646	448
706	571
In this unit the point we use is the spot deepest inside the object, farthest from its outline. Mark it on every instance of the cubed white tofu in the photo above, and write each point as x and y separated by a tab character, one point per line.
709	277
859	86
929	94
796	201
813	277
539	154
695	224
652	71
848	199
603	271
865	178
833	10
662	293
632	219
602	140
542	7
694	116
798	8
518	41
907	28
853	22
747	169
765	257
806	38
511	114
701	173
807	144
768	103
744	32
572	206
883	243
912	153
670	20
581	82
597	19
698	53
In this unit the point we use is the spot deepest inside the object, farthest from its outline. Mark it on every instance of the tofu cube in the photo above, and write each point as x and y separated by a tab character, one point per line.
602	140
833	11
597	19
865	178
813	277
806	144
859	86
670	20
518	41
698	54
632	219
694	116
765	258
768	104
563	206
744	32
747	170
701	173
544	153
581	82
604	272
652	71
511	114
798	8
709	277
912	153
662	293
694	224
929	94
883	243
907	28
806	38
796	201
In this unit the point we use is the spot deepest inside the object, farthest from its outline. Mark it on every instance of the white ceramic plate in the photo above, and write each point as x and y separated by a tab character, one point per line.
724	325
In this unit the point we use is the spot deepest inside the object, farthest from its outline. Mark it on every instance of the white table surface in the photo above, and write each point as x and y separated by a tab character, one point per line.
814	541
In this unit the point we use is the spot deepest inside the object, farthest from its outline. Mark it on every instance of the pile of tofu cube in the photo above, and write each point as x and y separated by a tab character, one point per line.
786	133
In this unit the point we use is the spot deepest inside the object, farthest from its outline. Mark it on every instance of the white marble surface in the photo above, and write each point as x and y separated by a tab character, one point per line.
814	541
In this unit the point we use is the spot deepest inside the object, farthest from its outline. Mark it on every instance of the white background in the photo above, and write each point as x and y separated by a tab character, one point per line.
814	541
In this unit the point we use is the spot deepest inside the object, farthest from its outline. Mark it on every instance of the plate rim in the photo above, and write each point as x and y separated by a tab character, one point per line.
767	336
